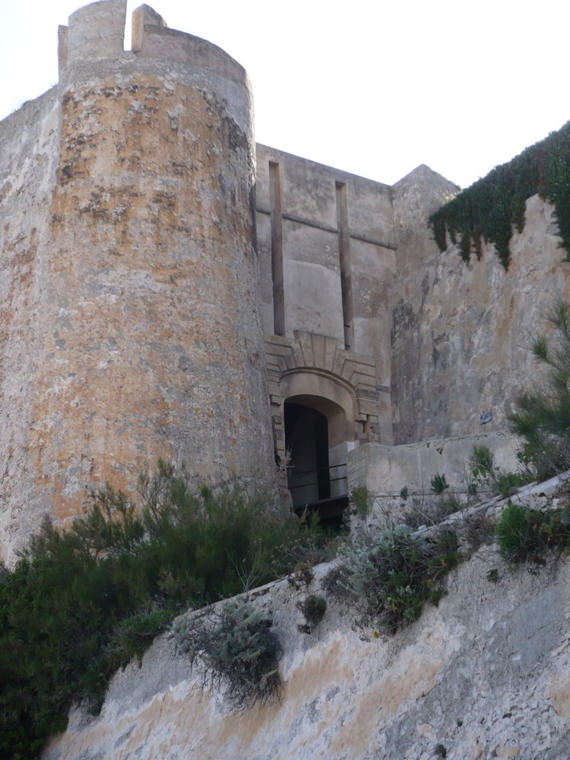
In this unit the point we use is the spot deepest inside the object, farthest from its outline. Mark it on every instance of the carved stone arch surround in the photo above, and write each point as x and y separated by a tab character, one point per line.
299	366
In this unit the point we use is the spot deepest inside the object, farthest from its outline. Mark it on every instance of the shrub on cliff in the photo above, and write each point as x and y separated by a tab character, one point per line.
392	572
526	534
485	473
542	417
238	649
82	602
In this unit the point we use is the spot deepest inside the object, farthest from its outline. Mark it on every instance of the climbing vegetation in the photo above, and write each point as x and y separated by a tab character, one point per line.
493	206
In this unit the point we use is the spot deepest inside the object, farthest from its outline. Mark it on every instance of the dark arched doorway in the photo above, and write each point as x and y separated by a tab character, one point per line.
315	430
307	441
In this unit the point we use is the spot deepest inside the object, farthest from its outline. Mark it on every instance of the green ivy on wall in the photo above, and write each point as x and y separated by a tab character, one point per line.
491	206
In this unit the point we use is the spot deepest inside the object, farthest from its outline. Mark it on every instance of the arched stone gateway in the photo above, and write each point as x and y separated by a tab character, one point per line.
314	382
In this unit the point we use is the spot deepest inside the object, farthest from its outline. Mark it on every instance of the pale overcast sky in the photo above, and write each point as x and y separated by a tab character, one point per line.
372	87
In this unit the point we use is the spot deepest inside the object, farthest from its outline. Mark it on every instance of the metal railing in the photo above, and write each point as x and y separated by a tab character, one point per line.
326	478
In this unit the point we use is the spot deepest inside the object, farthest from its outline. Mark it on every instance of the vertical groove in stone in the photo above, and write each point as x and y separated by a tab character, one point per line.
277	249
344	257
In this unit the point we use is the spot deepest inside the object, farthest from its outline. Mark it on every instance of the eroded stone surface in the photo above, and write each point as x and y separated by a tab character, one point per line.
462	335
130	325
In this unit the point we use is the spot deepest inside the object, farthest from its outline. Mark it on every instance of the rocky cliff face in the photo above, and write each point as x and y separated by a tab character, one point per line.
483	675
461	335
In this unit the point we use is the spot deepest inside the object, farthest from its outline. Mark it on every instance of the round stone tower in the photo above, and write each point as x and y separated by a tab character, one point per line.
147	336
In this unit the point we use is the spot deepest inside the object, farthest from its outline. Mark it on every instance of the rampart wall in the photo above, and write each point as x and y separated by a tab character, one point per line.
483	675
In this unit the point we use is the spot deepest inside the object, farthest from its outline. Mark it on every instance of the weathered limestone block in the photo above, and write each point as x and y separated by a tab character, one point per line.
386	470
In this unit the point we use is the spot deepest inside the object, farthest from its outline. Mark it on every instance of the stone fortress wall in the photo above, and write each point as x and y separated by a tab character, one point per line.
327	257
461	353
439	349
131	322
165	292
168	288
482	675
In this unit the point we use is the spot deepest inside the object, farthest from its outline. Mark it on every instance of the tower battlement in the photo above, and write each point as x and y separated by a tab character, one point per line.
96	33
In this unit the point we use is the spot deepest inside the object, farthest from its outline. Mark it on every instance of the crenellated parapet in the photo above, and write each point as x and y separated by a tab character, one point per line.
151	38
92	46
95	32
